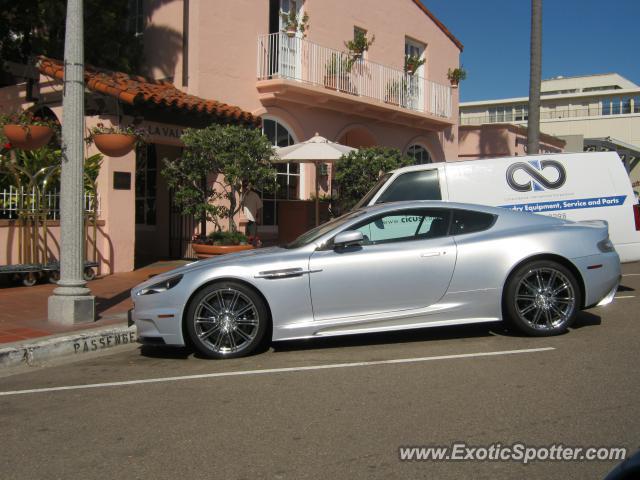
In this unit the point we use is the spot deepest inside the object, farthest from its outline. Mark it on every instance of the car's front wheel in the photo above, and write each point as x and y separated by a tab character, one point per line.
226	320
542	298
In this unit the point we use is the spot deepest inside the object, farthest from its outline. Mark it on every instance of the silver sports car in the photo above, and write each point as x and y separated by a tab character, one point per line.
386	267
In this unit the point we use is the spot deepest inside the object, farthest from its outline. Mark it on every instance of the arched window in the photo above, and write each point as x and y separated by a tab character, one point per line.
419	154
288	173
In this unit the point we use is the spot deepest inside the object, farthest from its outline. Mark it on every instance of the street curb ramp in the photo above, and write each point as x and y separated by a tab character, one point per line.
35	352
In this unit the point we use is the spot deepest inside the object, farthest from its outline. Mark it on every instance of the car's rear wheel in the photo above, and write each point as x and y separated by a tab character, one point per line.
542	298
226	320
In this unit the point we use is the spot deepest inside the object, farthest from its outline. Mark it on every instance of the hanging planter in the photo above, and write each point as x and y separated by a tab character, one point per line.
28	137
114	141
114	144
26	132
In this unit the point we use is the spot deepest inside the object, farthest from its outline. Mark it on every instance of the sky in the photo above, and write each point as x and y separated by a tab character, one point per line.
579	37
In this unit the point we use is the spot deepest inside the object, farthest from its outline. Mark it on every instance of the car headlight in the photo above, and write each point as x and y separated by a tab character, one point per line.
605	245
161	286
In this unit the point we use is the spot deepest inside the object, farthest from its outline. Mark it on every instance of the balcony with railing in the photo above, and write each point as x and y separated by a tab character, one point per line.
298	70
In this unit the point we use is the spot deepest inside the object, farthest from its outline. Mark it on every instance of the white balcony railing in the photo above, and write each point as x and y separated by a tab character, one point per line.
298	59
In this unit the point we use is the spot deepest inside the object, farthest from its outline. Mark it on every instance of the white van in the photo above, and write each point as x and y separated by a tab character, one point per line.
573	186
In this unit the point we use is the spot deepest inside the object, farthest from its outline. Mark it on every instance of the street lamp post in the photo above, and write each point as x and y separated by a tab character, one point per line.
72	301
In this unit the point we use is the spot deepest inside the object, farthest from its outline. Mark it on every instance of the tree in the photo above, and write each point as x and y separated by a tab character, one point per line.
233	157
36	27
535	75
358	172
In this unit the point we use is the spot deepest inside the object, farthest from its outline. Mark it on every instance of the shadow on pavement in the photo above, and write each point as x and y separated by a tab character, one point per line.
584	319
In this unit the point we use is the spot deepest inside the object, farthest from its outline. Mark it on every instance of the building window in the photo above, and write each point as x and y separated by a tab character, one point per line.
135	20
522	113
606	106
501	114
615	106
288	174
636	104
146	182
626	105
419	154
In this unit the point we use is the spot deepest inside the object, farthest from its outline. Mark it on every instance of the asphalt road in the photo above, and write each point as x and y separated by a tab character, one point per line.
348	421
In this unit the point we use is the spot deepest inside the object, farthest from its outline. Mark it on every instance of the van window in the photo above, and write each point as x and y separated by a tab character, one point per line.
372	193
416	185
465	221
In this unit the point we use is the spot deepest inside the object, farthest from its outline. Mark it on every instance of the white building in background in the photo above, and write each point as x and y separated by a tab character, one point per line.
592	112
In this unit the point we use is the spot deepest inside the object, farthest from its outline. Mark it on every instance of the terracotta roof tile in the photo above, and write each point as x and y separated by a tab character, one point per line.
137	90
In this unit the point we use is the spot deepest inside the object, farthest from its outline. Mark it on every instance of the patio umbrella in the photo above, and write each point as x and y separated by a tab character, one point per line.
316	150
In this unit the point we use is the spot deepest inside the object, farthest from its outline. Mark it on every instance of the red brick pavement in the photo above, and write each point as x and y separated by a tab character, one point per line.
23	310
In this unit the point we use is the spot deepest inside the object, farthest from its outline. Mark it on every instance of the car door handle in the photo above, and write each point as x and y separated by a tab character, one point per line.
430	254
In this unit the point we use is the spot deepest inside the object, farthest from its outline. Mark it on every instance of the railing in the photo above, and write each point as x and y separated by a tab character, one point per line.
298	59
17	201
558	113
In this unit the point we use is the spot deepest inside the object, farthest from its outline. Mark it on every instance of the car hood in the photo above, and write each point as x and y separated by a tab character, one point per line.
238	258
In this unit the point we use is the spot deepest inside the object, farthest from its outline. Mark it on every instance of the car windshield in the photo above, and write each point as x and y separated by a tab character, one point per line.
315	233
367	198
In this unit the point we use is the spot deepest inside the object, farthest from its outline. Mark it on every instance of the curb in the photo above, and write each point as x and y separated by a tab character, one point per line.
33	352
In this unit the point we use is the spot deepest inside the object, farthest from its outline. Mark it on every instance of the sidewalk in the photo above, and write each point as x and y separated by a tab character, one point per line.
23	310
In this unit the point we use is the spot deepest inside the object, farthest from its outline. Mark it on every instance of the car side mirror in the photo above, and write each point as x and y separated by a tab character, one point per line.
348	238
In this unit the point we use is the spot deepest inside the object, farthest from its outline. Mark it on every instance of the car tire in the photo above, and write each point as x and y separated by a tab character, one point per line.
226	320
542	298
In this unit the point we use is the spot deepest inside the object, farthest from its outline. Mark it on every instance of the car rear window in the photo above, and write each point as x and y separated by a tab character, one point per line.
465	221
417	185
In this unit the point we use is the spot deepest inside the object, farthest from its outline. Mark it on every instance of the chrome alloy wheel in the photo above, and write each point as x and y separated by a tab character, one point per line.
545	298
226	321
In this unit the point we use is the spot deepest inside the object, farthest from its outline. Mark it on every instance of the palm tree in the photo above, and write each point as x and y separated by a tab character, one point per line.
533	124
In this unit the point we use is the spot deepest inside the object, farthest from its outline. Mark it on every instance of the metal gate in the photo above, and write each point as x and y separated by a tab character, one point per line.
181	231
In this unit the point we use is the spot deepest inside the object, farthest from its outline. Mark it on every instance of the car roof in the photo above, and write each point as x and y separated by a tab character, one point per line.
388	206
514	216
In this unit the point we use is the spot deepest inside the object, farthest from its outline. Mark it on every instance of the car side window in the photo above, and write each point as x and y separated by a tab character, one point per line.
465	221
416	185
405	226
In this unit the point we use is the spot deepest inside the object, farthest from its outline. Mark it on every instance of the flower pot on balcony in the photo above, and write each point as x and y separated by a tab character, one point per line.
114	144
291	31
207	251
28	137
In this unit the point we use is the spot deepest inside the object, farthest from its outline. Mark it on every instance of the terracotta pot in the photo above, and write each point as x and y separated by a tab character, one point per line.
206	251
291	32
28	137
114	144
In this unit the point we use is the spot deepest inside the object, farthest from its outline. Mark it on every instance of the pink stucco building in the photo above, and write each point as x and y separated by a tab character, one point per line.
237	53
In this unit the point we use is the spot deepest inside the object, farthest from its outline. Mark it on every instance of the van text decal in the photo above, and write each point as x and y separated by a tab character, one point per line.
535	168
572	204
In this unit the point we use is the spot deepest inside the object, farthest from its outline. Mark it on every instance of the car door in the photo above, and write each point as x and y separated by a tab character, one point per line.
405	262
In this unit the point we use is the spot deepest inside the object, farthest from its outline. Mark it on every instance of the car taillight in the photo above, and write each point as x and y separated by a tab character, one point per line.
636	215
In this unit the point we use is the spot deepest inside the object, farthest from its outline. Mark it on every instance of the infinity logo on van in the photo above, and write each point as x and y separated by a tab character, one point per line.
534	169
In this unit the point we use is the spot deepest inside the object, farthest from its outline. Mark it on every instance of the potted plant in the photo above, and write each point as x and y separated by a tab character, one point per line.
412	63
220	243
393	90
208	180
292	23
26	131
359	44
456	75
114	141
337	69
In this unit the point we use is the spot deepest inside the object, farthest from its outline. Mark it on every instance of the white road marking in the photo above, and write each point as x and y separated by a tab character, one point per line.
630	274
275	370
625	296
